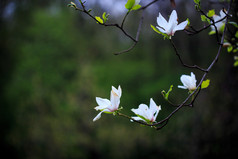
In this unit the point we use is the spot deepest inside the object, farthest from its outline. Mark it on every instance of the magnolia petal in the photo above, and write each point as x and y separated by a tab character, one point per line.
193	78
154	109
117	92
157	112
137	111
153	106
173	17
115	98
181	26
183	87
161	29
142	110
99	115
103	102
145	112
222	14
115	101
162	22
189	82
216	18
137	118
219	25
185	79
100	107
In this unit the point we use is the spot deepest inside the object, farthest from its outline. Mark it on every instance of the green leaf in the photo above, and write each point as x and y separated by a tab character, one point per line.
159	32
211	13
166	95
212	32
203	18
188	21
72	4
136	7
236	35
229	48
105	17
234	24
235	63
99	20
197	1
235	50
205	84
108	112
130	4
197	6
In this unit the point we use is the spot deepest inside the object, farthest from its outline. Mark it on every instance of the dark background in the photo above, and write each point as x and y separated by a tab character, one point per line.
54	62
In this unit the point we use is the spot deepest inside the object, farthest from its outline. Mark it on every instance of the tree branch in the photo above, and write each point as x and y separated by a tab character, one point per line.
181	61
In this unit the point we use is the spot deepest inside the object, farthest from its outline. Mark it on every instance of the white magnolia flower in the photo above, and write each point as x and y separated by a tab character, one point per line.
189	82
147	114
108	106
171	26
221	24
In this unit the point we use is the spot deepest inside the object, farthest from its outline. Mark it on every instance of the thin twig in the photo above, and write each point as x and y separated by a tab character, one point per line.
124	19
181	61
144	7
194	31
137	37
104	24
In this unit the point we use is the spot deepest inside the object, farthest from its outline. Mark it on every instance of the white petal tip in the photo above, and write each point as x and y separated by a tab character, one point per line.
97	117
182	87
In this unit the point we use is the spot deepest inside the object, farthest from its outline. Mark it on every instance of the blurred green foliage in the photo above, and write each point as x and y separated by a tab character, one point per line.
54	63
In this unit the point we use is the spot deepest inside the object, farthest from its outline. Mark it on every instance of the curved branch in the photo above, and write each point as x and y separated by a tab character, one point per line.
137	37
149	4
181	61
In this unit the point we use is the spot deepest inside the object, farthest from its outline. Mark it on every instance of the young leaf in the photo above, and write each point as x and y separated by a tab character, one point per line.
236	35
203	18
99	20
235	63
136	7
229	48
72	4
105	17
159	32
130	4
235	50
197	6
211	13
166	95
205	84
234	24
188	22
212	32
197	1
